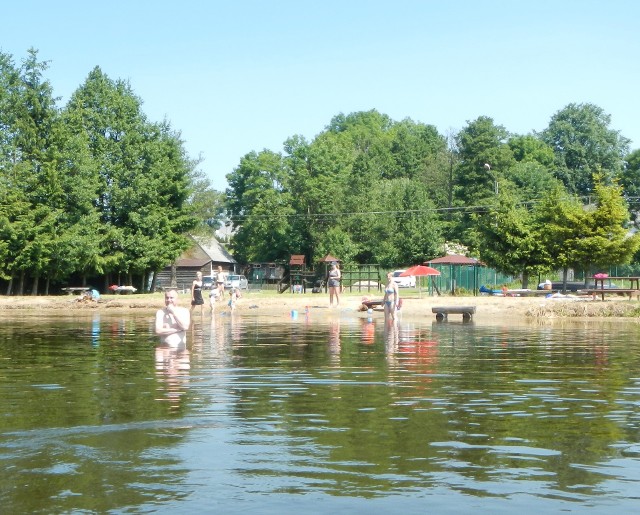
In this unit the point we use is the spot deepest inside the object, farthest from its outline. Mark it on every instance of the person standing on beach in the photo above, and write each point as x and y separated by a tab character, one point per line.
334	284
172	321
196	293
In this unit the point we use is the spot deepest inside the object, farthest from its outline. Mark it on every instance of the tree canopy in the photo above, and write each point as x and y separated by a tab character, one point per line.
90	189
96	189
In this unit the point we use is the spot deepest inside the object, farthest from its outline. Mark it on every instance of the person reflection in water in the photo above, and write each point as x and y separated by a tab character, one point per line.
172	369
334	338
172	321
391	339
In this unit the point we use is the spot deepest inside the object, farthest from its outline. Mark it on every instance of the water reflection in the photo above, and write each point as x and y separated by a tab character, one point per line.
98	417
334	341
391	338
172	368
95	330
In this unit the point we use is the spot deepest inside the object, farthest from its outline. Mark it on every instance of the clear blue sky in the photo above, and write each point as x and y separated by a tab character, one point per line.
237	76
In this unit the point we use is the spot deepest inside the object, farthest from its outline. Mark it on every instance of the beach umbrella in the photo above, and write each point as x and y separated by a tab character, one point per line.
420	271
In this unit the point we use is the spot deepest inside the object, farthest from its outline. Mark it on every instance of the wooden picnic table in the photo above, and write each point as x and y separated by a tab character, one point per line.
71	290
372	303
633	281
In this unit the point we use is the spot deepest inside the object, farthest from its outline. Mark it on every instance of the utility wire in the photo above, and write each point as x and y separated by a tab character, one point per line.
632	201
405	212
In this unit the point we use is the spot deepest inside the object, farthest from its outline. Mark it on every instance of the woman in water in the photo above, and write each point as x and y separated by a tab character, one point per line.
220	277
391	298
196	293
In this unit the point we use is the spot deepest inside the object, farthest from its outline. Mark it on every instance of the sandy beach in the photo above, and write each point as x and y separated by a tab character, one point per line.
489	309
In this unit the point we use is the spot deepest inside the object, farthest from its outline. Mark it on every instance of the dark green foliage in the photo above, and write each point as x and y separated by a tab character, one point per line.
584	145
91	189
95	189
371	190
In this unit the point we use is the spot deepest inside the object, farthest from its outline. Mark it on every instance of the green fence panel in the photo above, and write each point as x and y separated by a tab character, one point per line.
466	278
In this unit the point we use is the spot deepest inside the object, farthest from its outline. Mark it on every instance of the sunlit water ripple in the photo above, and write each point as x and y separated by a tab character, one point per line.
343	413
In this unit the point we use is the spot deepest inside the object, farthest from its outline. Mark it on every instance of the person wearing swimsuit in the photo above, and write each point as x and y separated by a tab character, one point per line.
220	277
172	321
334	284
196	293
391	298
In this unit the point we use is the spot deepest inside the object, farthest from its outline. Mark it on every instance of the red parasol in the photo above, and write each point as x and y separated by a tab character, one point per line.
420	270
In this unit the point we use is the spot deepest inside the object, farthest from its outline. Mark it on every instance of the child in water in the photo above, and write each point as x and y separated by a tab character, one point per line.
234	295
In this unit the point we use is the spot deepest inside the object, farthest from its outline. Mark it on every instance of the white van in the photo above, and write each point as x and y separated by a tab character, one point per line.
404	282
236	281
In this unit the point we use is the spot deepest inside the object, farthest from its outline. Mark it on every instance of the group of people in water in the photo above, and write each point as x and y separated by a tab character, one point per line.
391	301
172	321
217	293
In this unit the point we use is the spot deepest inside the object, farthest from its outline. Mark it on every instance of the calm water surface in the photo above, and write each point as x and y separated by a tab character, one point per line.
335	414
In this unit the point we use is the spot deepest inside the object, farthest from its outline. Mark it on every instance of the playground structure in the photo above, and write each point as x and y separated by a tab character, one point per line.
297	277
362	278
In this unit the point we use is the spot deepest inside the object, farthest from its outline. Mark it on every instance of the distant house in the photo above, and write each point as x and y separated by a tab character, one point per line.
264	272
205	255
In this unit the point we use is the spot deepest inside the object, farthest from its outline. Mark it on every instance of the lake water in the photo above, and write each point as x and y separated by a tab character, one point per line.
336	414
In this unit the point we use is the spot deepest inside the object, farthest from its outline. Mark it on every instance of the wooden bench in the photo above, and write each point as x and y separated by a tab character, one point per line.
77	290
372	304
529	293
611	291
442	312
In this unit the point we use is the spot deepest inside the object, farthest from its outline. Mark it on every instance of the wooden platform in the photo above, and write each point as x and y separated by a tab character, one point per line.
443	312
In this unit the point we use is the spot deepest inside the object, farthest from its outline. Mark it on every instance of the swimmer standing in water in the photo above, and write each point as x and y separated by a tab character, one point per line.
172	321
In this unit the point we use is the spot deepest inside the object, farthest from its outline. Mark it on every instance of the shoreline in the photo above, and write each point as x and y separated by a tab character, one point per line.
489	309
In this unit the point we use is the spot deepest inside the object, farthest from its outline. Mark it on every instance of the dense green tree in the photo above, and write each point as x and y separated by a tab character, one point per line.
630	181
142	175
584	144
510	237
266	230
99	189
530	148
481	143
9	84
31	169
608	241
260	208
586	237
560	219
531	179
206	204
414	147
484	156
304	190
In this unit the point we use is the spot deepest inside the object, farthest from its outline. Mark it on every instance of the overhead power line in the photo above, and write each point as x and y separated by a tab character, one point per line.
404	212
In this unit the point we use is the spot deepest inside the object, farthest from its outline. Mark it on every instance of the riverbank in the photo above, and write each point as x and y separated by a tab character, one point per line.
488	308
